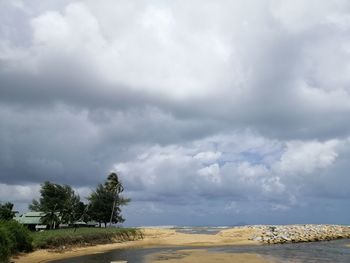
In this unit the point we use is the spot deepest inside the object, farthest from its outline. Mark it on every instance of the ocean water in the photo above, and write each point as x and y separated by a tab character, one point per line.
200	229
209	230
315	252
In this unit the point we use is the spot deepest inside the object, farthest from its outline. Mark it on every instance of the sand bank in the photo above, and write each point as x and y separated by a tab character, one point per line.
153	237
203	256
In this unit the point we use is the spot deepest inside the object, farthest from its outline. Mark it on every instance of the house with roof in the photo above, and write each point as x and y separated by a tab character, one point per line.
32	220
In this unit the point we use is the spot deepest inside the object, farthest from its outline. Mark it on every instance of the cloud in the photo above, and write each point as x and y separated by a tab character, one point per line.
239	104
306	157
170	169
208	156
23	193
288	181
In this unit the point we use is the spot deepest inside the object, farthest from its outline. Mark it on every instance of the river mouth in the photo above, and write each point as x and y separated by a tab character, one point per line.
316	252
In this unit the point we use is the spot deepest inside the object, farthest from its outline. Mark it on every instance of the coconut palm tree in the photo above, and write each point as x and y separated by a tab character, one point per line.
115	186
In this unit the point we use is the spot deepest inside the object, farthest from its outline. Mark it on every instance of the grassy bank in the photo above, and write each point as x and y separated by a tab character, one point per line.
15	238
60	238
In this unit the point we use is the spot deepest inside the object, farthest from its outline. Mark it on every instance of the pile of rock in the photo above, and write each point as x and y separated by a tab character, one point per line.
299	233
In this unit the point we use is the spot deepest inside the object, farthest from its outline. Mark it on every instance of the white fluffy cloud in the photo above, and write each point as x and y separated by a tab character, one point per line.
173	169
173	60
306	157
294	172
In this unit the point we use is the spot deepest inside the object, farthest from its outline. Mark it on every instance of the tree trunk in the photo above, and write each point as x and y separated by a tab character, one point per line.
113	207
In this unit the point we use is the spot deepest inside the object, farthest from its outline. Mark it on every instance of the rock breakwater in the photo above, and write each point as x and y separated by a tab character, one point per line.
277	234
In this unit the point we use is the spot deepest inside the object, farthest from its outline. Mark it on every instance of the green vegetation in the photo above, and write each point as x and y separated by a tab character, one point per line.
59	203
62	205
14	238
4	245
105	202
83	236
19	235
6	212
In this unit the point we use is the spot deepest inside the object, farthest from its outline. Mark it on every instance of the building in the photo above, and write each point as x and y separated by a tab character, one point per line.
32	220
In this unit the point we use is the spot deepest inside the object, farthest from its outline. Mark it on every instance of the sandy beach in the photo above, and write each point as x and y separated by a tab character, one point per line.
199	247
153	237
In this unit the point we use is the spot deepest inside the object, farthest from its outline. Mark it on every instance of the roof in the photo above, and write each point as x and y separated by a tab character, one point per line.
92	223
33	214
79	223
30	218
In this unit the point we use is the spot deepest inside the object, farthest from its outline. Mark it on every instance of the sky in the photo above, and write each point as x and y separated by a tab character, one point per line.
211	112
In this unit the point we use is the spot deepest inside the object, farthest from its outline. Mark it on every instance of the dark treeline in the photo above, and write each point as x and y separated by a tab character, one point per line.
62	205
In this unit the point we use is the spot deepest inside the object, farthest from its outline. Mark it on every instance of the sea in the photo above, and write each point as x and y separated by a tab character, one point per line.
334	251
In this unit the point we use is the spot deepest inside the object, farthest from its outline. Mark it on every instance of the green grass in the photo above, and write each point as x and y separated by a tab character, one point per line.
54	239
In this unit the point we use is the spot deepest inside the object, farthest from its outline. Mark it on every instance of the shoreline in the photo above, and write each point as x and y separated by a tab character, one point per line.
153	237
162	237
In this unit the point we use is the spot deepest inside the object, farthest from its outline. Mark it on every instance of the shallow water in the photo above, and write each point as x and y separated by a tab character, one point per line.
200	230
316	252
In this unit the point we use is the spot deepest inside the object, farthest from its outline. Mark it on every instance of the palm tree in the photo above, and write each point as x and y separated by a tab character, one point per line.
114	185
51	218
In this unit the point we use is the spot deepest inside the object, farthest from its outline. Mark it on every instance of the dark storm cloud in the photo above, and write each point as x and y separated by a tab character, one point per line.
266	97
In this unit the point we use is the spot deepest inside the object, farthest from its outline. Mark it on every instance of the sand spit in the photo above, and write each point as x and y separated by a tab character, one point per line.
153	237
158	237
169	237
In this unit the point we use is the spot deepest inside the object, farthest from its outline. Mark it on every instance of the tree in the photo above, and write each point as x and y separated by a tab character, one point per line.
73	208
58	202
6	212
106	201
51	218
115	187
100	204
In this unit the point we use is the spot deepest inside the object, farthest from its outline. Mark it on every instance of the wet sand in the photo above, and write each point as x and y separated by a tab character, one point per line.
203	256
153	237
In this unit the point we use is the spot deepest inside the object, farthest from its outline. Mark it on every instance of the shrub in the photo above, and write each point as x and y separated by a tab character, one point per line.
20	237
13	238
83	236
5	244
